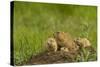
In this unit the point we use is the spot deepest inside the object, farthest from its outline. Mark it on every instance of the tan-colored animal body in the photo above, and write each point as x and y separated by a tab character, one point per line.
83	42
65	40
64	49
51	44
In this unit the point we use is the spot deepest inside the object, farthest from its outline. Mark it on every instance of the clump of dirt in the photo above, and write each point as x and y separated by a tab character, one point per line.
53	57
57	57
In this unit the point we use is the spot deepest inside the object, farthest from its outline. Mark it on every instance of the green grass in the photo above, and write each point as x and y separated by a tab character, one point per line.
35	22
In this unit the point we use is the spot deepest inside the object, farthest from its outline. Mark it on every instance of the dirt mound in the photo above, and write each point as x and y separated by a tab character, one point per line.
56	57
53	57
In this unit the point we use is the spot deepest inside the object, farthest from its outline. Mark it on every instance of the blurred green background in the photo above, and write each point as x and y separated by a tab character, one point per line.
35	22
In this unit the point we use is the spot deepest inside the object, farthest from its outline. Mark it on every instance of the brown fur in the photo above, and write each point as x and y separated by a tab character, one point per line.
65	40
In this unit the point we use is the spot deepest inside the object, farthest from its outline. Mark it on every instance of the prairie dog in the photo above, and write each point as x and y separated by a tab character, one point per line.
65	40
64	49
51	44
83	42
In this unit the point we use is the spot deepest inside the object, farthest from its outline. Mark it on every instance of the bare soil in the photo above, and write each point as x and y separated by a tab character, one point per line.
54	57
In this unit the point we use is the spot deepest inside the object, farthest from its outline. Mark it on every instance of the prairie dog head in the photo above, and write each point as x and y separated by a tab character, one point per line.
51	44
64	49
59	35
83	42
